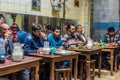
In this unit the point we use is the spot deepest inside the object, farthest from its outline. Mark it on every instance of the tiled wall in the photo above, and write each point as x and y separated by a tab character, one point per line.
106	14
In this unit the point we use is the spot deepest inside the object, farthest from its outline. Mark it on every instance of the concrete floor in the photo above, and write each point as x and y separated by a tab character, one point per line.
105	75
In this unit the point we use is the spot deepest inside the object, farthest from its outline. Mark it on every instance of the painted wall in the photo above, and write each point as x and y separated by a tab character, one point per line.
106	14
81	13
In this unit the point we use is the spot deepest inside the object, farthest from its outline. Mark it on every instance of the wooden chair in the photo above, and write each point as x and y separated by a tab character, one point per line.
67	72
83	69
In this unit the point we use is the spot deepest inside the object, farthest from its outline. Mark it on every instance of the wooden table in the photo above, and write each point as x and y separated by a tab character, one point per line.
57	58
88	54
28	62
113	54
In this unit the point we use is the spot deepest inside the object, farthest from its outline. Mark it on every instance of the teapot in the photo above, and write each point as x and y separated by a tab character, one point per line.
17	52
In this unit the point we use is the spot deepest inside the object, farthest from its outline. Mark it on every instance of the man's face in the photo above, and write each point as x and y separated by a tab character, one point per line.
2	20
112	33
5	28
37	32
79	28
72	29
56	33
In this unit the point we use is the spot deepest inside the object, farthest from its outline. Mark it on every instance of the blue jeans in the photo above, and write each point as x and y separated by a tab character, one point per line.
64	64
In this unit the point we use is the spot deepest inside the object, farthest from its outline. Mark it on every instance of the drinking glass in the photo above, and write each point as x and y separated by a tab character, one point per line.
46	44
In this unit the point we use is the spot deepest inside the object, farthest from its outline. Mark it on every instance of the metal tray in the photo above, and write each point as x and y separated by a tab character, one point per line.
64	52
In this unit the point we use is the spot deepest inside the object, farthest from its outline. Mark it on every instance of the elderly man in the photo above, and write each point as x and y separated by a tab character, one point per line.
80	35
6	34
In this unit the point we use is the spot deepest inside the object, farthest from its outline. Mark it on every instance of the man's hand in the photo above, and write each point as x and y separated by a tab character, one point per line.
43	35
8	35
39	50
80	42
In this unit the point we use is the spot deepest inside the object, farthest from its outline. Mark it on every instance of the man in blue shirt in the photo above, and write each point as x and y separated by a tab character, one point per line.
34	42
56	41
55	38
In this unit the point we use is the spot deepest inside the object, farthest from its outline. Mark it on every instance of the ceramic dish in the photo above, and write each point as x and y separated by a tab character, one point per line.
64	52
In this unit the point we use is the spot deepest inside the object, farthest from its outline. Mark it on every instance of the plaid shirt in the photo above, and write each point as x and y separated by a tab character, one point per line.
66	38
81	37
111	39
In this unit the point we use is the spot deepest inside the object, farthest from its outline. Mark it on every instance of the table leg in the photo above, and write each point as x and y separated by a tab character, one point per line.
75	68
100	61
87	67
51	70
115	67
37	71
112	58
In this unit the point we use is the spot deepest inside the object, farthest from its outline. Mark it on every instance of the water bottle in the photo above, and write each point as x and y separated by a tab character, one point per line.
102	44
52	50
2	47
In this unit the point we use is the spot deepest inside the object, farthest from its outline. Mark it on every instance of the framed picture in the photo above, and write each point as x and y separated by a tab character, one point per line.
36	5
76	3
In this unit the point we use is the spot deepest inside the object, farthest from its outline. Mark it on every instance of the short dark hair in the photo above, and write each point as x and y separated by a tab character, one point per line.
36	26
48	26
55	27
111	29
68	26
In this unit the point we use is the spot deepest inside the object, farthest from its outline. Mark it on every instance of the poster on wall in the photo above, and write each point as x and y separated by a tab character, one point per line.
36	5
76	3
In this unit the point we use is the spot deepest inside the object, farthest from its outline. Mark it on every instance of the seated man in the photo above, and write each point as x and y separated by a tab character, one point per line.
55	38
47	29
111	38
80	35
6	34
56	41
70	39
34	42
